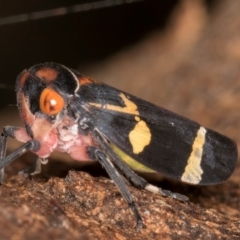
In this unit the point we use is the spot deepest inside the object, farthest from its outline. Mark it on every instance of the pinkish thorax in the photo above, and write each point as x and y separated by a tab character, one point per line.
63	137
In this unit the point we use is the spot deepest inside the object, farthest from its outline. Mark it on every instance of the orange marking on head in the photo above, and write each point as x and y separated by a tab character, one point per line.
86	80
51	103
47	73
23	78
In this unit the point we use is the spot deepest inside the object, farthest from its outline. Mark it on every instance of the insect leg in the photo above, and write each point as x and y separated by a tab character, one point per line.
29	145
118	180
132	176
33	170
3	147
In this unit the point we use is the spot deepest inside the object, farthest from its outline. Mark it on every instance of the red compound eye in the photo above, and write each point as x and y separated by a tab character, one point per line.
51	103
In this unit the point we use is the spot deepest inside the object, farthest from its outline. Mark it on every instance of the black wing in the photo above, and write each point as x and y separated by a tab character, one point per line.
159	139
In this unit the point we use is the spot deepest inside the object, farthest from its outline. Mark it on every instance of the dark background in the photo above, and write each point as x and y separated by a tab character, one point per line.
74	39
77	39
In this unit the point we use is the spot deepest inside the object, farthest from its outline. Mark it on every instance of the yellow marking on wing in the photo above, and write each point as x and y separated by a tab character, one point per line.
132	163
130	107
137	118
140	136
193	171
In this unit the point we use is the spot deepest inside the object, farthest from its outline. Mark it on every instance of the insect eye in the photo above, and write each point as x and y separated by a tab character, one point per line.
51	103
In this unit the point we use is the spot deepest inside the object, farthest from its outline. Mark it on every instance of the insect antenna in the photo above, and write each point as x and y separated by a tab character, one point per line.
83	7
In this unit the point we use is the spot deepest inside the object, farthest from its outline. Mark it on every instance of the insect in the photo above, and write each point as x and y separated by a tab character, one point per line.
65	111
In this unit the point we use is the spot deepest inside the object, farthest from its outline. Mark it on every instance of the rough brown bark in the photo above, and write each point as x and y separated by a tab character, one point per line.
82	207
